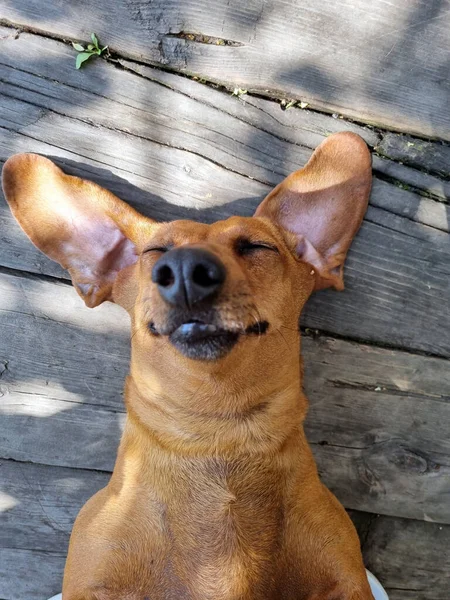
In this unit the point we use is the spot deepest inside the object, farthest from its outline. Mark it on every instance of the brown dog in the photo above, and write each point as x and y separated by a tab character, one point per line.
215	494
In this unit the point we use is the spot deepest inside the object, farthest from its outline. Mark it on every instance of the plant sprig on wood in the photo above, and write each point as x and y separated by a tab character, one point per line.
85	54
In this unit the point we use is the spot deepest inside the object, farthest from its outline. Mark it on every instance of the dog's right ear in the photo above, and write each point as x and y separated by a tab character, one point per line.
75	222
323	205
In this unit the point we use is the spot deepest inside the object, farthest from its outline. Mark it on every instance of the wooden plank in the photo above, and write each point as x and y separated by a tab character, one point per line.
377	421
241	137
297	126
38	506
411	558
407	177
97	84
29	575
390	273
224	155
417	153
374	419
372	426
51	346
308	128
71	388
286	48
40	503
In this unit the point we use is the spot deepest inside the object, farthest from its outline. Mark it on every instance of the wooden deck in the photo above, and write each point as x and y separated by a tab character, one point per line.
376	355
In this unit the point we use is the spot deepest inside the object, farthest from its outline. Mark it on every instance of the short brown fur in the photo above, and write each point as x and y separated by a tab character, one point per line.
215	493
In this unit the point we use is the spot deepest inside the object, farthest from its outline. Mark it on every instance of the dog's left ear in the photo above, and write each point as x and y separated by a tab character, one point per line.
323	204
89	231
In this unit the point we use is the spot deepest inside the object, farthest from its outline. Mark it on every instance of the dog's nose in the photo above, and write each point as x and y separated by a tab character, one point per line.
187	276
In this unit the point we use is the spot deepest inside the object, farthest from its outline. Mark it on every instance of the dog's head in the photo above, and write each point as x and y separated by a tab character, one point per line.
201	292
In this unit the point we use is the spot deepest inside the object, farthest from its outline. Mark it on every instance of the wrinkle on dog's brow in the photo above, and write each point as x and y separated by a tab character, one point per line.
227	233
185	232
236	227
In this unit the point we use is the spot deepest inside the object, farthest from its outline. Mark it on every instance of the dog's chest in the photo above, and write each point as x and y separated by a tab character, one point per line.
225	532
217	538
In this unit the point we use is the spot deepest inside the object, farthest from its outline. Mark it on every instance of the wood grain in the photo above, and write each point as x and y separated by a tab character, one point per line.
411	558
40	503
219	157
417	153
375	62
30	575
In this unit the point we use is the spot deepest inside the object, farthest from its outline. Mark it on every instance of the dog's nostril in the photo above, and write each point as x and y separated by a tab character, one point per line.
205	276
152	328
165	276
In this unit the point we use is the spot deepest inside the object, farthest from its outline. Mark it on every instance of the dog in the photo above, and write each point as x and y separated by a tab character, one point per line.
215	494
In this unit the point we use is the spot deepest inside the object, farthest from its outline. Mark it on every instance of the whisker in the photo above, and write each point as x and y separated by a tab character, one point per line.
137	330
256	319
289	328
258	322
285	341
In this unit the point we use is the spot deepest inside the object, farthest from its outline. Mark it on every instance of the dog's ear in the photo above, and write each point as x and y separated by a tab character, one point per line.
323	204
85	228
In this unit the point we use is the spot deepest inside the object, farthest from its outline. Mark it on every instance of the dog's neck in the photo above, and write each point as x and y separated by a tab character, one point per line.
207	413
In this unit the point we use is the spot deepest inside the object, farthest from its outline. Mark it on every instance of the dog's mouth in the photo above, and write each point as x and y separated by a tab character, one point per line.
205	339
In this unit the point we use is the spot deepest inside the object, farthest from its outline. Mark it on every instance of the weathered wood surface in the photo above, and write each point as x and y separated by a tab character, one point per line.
39	504
379	427
384	63
418	153
378	421
219	157
302	127
411	558
175	148
30	575
61	364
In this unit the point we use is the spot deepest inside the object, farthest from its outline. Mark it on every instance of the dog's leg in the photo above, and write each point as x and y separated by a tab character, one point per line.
323	555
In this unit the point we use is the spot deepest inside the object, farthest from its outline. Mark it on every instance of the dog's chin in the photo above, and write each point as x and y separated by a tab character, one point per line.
203	341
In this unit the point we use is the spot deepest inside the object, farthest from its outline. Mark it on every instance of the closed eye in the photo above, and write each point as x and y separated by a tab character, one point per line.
245	247
157	249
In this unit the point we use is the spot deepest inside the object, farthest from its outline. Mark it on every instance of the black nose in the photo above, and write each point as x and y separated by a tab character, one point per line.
186	276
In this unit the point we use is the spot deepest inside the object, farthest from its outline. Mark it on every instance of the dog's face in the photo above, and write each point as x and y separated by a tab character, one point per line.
205	290
199	292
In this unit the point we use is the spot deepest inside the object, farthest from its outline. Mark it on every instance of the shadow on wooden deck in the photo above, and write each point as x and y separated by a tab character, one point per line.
382	63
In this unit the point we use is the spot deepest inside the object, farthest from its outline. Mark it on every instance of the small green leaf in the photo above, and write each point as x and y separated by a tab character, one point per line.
78	47
289	105
94	39
81	58
90	47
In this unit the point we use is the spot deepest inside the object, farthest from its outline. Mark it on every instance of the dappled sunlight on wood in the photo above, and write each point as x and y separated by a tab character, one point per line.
7	502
